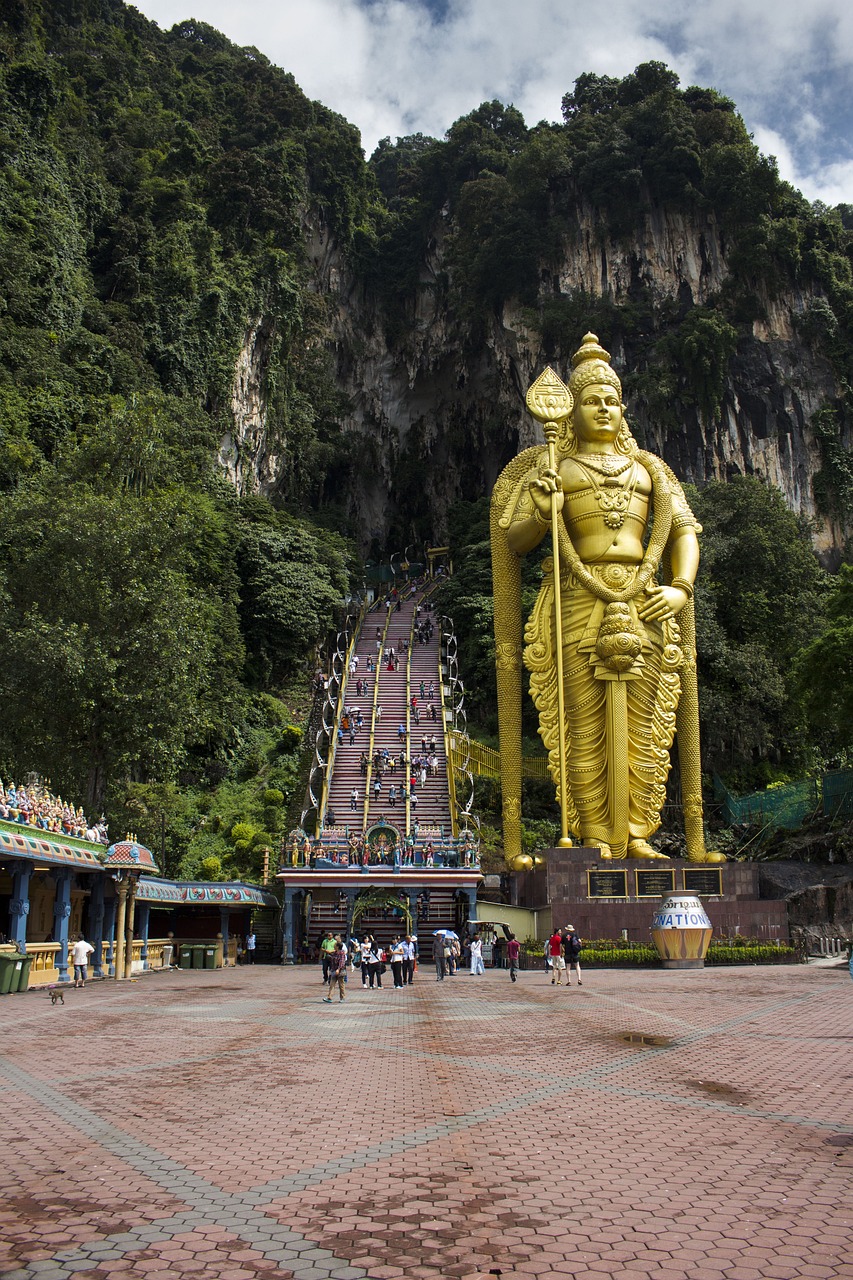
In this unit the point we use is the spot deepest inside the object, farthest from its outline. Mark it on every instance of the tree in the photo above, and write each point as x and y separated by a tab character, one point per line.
760	597
117	656
824	672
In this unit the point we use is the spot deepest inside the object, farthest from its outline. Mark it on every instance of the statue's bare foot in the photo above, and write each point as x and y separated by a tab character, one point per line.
604	851
708	856
642	849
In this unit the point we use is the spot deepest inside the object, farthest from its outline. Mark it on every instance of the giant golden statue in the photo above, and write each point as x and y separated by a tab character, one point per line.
621	679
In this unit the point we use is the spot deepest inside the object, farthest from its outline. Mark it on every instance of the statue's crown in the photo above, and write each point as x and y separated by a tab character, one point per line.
591	363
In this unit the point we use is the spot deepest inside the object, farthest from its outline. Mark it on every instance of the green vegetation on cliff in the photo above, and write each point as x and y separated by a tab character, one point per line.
153	188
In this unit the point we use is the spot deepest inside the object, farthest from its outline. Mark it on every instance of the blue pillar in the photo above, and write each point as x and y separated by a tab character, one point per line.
288	929
471	895
223	929
61	917
19	907
110	934
143	915
96	924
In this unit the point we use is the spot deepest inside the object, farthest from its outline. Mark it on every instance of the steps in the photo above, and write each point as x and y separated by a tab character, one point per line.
385	706
442	911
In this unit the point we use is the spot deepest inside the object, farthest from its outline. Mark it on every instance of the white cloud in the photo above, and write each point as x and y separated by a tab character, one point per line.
833	183
391	69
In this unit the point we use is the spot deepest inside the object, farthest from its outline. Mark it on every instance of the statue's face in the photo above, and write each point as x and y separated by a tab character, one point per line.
597	416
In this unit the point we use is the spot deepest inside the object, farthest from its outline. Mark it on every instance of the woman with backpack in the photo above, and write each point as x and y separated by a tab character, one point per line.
572	946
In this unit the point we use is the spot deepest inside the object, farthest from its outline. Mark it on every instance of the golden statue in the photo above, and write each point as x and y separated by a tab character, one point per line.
622	679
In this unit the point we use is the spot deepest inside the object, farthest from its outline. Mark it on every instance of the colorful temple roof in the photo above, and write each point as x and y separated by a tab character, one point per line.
198	892
131	855
19	841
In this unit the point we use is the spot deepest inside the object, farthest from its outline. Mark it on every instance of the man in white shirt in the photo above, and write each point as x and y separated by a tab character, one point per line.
80	953
408	961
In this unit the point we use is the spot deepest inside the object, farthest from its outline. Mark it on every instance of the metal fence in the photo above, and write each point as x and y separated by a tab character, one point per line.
486	761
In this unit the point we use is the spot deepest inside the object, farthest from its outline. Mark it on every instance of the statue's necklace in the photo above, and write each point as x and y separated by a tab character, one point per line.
612	494
606	464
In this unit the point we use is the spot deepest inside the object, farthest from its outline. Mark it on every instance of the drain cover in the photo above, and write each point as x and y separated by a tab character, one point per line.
655	1042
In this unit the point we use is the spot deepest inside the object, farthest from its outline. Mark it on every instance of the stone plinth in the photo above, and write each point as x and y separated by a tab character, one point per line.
603	899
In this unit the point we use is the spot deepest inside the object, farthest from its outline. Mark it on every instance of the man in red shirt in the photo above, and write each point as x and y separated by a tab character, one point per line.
555	951
512	949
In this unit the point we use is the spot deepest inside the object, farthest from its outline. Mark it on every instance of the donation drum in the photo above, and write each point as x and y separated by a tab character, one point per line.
681	931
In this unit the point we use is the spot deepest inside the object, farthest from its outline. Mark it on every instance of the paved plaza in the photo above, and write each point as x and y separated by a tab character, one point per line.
229	1124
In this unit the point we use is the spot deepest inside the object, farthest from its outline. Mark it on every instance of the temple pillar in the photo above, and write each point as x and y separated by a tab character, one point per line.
144	917
121	919
412	898
96	925
131	912
471	895
109	934
351	894
61	917
19	907
288	927
223	929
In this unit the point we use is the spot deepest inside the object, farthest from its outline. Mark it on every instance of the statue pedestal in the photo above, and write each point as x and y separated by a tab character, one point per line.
615	899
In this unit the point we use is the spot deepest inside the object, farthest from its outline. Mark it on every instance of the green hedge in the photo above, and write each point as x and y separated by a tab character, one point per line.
603	951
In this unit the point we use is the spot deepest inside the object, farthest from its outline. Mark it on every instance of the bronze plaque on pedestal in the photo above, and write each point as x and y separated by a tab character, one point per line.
705	880
651	884
607	884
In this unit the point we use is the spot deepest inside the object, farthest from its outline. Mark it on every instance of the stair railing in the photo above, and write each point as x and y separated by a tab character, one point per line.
326	737
455	726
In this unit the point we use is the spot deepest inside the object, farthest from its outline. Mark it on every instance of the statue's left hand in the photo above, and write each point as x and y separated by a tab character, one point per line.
661	603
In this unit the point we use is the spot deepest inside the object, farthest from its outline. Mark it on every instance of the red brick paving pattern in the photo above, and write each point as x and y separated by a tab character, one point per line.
448	1131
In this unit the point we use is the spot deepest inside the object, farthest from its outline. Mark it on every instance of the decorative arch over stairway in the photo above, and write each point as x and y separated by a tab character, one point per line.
379	898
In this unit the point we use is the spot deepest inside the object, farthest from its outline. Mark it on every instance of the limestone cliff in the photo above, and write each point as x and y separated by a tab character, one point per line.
444	405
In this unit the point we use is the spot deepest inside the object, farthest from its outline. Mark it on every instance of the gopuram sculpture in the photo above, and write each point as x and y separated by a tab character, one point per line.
619	682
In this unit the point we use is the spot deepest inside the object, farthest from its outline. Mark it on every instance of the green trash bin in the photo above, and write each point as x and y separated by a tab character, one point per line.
198	957
10	968
186	956
209	954
24	977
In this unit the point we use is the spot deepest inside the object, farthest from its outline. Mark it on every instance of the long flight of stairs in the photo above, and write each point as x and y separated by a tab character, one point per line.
386	708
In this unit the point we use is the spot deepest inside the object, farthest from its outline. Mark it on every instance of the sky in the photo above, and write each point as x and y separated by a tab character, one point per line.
394	67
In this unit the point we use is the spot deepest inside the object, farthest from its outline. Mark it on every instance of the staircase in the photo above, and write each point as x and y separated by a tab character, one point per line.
396	718
386	707
441	911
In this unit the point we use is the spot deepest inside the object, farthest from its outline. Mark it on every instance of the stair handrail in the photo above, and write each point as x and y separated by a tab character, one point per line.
351	630
369	774
455	727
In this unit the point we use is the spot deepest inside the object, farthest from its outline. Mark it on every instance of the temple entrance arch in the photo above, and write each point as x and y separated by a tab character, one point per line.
379	900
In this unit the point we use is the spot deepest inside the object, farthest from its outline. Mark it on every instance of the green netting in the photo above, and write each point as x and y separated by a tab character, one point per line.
838	794
790	806
787	806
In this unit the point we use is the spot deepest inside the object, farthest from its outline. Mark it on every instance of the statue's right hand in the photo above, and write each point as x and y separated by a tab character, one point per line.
541	491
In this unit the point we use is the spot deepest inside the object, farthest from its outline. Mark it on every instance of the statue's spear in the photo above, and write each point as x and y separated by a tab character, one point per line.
550	402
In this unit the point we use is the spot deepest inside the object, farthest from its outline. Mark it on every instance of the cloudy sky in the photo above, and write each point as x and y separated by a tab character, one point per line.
394	67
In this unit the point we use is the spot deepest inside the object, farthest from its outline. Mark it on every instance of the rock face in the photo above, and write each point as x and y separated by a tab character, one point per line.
436	414
244	452
819	898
